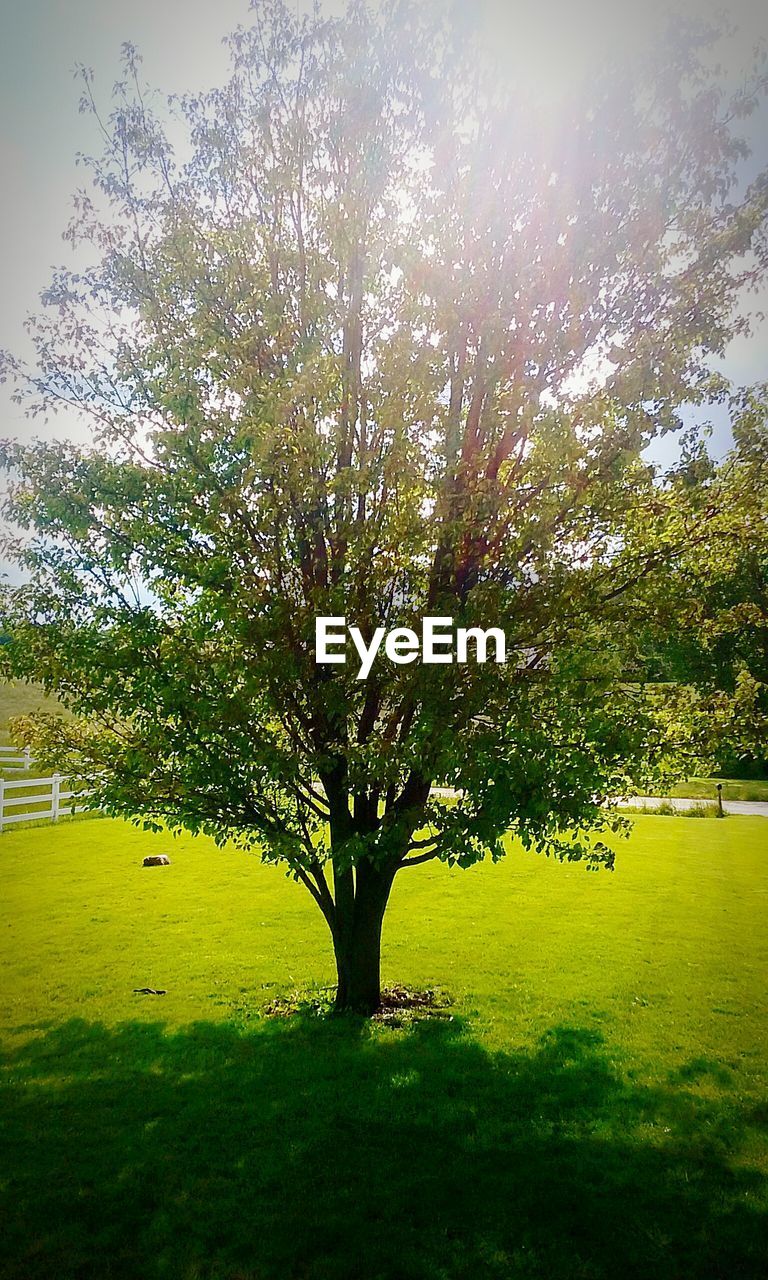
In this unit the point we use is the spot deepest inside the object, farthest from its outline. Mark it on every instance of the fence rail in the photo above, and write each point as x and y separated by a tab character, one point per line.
55	796
14	761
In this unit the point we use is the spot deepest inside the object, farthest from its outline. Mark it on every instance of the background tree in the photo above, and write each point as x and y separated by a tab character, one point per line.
702	625
374	330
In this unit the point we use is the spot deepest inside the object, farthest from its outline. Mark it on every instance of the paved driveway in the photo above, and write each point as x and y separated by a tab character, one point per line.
756	808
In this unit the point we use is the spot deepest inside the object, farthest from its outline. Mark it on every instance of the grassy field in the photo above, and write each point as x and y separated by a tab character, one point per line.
596	1106
19	699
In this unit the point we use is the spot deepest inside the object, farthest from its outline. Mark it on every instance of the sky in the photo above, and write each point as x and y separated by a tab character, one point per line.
41	130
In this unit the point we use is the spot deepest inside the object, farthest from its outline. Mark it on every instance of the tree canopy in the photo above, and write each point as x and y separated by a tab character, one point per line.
373	330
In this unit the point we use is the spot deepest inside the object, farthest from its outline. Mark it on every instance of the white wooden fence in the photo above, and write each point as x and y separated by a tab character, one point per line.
54	796
14	761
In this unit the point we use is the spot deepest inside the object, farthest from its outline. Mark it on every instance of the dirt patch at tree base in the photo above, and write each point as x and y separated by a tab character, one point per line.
399	1004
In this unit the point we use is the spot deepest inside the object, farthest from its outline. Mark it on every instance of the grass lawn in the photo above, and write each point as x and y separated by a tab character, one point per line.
597	1107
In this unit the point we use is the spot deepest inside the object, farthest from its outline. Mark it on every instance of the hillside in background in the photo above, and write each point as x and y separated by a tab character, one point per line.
17	698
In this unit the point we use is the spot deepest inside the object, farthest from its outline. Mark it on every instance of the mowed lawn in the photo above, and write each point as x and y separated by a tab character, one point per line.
596	1107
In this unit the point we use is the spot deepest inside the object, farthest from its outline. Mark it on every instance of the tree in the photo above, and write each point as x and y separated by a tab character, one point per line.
374	332
703	624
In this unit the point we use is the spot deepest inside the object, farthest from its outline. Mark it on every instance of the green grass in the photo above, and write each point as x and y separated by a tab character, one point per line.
596	1108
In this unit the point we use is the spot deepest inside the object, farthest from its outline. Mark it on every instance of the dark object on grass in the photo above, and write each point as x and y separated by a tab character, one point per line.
157	860
149	991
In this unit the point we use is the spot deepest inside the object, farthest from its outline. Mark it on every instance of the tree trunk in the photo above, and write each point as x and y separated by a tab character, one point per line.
357	944
358	969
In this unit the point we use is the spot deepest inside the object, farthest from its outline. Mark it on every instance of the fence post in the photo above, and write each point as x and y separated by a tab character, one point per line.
2	802
55	789
27	757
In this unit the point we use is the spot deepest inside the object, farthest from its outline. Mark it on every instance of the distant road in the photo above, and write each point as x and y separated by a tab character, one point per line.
753	808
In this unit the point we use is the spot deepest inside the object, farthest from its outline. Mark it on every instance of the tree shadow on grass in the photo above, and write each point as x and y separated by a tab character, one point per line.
324	1150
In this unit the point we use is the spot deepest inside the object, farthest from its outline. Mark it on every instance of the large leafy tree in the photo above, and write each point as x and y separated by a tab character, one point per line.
375	330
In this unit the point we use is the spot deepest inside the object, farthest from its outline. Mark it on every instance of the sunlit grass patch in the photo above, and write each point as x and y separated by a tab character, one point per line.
602	1060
